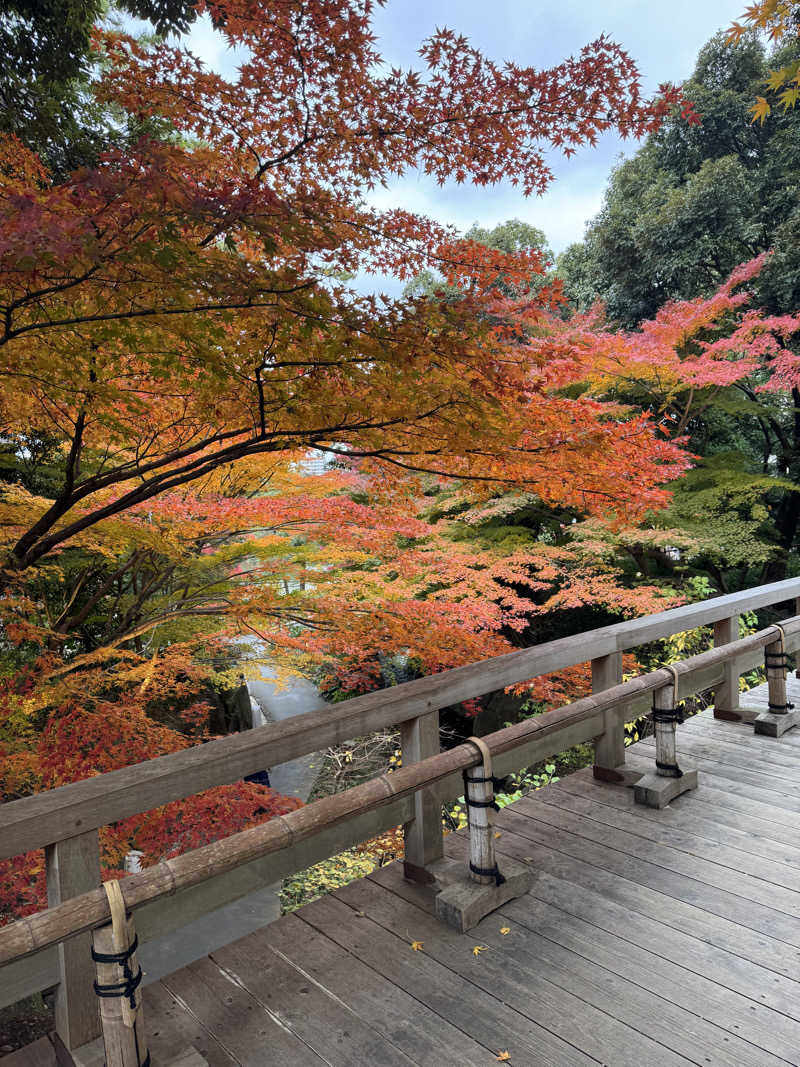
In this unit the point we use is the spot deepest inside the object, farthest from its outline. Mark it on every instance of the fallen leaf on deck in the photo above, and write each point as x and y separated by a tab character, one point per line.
499	833
503	1056
478	949
417	946
505	930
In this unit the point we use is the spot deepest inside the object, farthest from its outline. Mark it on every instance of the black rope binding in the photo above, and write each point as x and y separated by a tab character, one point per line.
498	783
781	709
479	803
121	989
775	659
117	957
668	715
126	988
488	872
672	769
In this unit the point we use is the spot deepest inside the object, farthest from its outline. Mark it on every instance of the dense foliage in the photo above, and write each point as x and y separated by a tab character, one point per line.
180	342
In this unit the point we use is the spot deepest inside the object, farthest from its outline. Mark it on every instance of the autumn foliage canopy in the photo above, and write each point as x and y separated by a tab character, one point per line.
178	334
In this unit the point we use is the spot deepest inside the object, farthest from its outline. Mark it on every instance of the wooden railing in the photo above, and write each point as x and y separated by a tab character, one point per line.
51	950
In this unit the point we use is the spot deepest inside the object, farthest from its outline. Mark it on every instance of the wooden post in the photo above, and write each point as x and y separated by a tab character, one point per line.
119	987
726	695
609	747
419	739
73	868
782	715
669	781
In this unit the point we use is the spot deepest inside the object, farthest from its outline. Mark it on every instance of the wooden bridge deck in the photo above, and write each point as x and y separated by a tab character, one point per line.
649	938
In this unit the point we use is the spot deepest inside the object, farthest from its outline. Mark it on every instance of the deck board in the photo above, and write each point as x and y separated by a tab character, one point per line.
648	937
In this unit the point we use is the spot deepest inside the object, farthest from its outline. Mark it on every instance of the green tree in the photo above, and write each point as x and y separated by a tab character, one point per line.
46	74
696	200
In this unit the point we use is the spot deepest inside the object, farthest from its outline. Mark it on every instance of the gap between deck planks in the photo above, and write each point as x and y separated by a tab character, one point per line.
660	937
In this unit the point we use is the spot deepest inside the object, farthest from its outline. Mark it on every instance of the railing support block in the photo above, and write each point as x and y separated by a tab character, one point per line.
771	725
462	903
656	792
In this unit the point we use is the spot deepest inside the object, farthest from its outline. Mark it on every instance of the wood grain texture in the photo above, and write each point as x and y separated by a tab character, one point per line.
73	867
73	809
661	937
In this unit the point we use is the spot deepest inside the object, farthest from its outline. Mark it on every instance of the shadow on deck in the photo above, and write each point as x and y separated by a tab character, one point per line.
649	938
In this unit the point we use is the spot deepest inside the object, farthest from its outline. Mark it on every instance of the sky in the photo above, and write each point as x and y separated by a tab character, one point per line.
663	38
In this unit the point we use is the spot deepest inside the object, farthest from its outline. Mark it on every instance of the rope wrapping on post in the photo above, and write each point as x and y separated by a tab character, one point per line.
669	717
775	666
481	839
123	1026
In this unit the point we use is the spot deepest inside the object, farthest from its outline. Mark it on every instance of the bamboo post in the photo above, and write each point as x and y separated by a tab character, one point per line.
481	805
781	715
118	985
419	739
657	789
471	896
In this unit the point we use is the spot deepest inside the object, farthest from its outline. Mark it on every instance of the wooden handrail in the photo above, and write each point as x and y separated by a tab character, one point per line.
71	810
90	910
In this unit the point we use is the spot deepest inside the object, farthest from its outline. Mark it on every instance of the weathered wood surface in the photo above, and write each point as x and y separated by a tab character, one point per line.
511	748
649	937
40	1054
73	809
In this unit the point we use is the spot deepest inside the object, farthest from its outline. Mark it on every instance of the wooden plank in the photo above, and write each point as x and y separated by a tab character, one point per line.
788	745
769	1031
30	975
583	1014
172	1029
235	1019
456	995
169	913
716	850
748	901
312	1013
776	767
733	781
72	809
40	1054
73	868
635	1004
660	906
710	825
413	1026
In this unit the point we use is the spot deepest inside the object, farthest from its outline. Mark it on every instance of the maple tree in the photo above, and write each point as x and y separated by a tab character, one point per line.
716	359
175	337
173	308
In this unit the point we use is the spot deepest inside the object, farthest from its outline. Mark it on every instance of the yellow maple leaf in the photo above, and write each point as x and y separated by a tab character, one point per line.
504	1056
505	930
498	834
760	110
478	949
417	946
